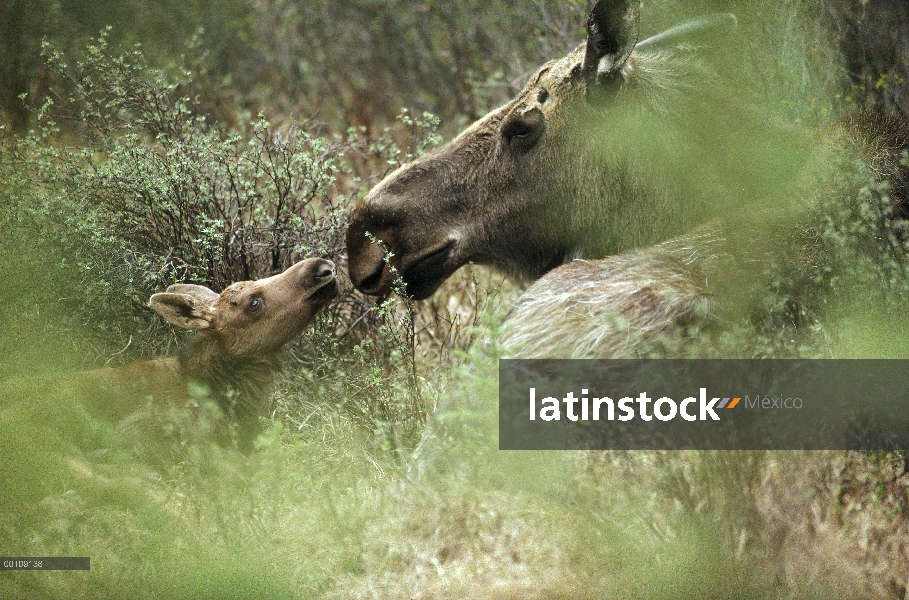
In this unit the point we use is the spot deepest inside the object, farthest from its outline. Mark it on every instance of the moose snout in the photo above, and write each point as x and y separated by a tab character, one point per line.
367	259
368	273
324	271
317	272
317	278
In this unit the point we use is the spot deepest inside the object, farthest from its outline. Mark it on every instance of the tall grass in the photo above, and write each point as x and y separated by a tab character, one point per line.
379	473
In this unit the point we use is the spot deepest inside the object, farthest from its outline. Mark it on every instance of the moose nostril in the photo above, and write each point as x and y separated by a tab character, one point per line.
371	282
325	270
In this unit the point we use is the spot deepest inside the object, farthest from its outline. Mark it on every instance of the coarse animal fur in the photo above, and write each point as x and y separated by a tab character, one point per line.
611	150
658	211
228	366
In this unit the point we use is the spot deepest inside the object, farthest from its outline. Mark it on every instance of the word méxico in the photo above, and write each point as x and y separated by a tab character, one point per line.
664	409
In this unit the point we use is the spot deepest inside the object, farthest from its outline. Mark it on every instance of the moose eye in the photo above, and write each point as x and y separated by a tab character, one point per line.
523	130
255	304
519	130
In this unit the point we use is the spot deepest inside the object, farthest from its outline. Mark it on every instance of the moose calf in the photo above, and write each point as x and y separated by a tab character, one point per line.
231	360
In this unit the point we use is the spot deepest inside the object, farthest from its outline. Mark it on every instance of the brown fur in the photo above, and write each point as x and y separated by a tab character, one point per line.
886	137
633	304
566	211
651	300
530	185
231	360
560	173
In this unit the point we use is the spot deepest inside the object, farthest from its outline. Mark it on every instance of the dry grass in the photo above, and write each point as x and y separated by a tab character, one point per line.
382	479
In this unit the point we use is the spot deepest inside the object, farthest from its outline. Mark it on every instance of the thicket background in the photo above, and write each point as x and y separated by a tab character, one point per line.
233	140
358	63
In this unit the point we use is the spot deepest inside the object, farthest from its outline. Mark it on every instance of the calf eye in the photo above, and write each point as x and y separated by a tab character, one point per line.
255	304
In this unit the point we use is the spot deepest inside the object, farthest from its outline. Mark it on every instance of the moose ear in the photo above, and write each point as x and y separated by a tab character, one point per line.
183	310
612	32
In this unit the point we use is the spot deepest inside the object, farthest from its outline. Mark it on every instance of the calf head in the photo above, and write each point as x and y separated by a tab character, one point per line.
252	318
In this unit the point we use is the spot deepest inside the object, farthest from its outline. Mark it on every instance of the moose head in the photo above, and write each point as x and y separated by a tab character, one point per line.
531	185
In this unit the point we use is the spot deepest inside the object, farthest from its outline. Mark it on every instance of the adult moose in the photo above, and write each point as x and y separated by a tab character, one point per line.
620	146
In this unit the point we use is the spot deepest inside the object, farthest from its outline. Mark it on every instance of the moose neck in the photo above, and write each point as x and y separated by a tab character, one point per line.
239	386
646	176
614	201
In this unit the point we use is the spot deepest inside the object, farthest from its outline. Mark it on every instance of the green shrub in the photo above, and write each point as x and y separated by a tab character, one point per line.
130	189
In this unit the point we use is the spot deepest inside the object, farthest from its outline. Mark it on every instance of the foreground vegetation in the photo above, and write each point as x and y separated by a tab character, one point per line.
379	474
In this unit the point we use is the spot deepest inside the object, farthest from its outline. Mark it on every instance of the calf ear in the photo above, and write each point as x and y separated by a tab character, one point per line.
183	310
612	32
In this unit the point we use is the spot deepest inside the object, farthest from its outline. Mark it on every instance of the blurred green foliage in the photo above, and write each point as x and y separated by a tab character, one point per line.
347	63
357	62
152	167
